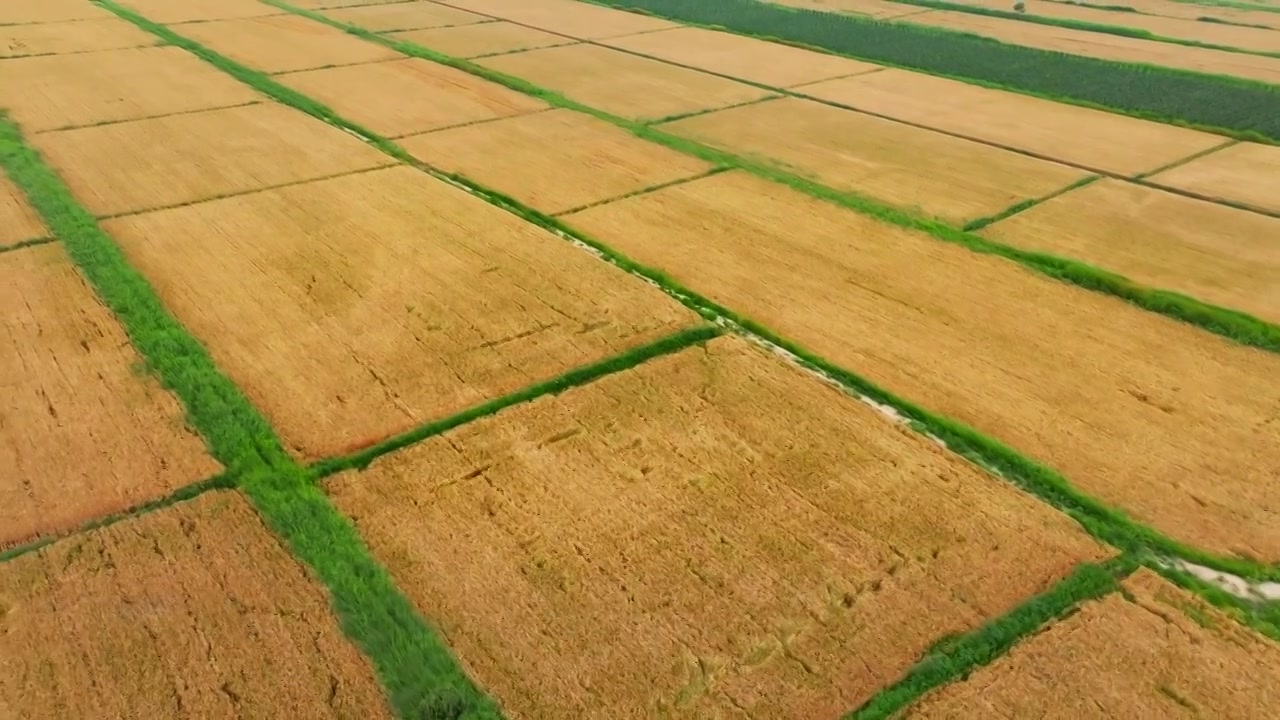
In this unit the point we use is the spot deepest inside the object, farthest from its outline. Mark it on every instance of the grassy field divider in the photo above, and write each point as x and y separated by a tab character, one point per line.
35	242
1232	324
955	657
1104	522
1259	614
979	223
574	378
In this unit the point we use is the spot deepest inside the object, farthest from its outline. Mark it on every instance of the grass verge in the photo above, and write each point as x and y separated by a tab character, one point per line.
1231	324
956	657
1104	522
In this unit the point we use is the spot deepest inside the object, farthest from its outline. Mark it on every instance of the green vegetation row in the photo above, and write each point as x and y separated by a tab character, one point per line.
1104	522
1138	33
1232	324
1239	108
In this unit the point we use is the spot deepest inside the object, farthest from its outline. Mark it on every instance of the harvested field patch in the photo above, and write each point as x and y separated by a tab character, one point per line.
1141	411
1093	139
410	96
910	167
623	84
879	9
1245	173
356	308
179	159
324	4
468	41
14	12
284	43
1215	253
1163	654
196	610
18	221
86	433
741	57
566	17
553	161
403	16
70	37
170	12
682	552
89	88
1106	46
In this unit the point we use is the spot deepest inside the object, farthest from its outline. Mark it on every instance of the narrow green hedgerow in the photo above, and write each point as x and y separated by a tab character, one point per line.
1231	324
1261	615
956	657
572	379
223	481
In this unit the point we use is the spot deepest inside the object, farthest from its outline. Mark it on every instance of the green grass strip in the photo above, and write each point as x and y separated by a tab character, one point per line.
1236	107
1261	615
1232	324
572	379
956	657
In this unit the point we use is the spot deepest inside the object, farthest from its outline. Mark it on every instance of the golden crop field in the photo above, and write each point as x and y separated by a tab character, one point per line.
670	359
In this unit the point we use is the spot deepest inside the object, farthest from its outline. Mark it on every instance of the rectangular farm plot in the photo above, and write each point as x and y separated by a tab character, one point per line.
1245	173
553	161
1165	654
85	433
90	88
171	12
196	610
910	167
147	164
1089	138
19	12
359	307
628	85
566	17
403	16
741	57
879	9
18	221
679	550
410	96
1143	412
469	41
1214	253
70	37
285	43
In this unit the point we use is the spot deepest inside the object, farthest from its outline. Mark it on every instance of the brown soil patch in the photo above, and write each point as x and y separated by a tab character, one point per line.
285	43
1244	173
169	12
680	551
356	308
18	221
403	16
623	84
554	161
70	37
148	164
85	432
1145	413
1163	654
746	58
468	41
88	88
1081	136
879	9
954	179
566	17
1215	253
196	610
47	11
1245	38
410	96
1106	46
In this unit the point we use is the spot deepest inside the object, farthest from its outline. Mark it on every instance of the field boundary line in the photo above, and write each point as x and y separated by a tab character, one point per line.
104	123
75	52
1006	65
982	222
1229	323
221	481
469	123
1104	522
575	378
1156	185
1183	161
953	658
646	190
706	111
33	242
